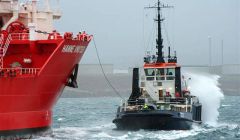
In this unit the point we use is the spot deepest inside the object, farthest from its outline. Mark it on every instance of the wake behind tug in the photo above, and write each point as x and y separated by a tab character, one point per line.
160	97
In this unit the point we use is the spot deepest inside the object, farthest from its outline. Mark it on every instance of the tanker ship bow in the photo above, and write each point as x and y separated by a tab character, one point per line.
36	63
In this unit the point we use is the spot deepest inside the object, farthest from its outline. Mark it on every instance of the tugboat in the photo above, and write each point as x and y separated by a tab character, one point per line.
160	99
36	64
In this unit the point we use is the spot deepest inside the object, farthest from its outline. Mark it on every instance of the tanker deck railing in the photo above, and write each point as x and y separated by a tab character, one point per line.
40	35
20	36
15	72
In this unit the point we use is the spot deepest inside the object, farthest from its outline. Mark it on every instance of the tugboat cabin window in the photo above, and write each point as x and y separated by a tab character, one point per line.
150	74
165	74
160	74
170	73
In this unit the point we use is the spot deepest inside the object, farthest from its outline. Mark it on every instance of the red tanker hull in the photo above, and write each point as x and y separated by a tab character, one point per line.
28	96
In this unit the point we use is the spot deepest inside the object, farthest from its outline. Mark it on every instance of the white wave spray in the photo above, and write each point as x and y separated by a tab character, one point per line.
206	88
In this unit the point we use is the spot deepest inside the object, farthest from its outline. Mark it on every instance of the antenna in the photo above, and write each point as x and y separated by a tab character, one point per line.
169	52
159	39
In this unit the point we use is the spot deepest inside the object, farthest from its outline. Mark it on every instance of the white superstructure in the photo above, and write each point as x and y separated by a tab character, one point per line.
31	13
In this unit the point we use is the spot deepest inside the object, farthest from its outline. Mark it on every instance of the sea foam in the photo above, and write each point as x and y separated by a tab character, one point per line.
206	88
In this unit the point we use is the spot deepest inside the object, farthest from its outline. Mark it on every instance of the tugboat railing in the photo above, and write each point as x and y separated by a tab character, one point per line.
181	104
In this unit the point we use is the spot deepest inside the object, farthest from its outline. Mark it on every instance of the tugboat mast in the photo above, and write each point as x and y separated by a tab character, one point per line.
159	40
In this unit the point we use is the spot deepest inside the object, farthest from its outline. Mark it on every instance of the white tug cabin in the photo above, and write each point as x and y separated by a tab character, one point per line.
160	80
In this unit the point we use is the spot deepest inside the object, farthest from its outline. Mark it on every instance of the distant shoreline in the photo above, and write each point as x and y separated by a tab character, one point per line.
96	86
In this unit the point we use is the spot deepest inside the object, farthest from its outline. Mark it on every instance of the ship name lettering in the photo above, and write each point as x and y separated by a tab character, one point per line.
73	49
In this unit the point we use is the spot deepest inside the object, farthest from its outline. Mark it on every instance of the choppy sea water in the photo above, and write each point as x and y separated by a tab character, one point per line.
91	119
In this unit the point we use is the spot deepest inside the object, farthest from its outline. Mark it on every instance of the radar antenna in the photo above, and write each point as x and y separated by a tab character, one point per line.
159	40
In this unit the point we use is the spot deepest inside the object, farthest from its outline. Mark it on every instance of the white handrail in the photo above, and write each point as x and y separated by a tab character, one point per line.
22	71
1	40
6	45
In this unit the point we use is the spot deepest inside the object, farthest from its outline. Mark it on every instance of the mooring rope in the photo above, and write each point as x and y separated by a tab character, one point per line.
104	74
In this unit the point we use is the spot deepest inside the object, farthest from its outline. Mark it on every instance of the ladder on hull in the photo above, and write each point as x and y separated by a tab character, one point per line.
3	47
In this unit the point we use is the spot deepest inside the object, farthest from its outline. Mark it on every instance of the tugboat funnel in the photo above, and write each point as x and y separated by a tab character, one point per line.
135	85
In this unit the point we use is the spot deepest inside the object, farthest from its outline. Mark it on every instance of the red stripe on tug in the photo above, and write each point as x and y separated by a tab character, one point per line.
33	74
160	65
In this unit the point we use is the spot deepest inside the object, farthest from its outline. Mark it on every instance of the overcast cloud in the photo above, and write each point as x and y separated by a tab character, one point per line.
123	30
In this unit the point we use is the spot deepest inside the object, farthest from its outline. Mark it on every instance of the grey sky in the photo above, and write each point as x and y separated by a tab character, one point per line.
122	29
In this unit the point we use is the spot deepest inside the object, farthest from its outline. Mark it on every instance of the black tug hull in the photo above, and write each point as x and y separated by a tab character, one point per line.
152	122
